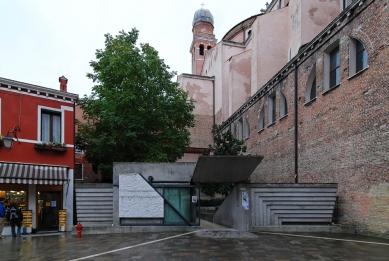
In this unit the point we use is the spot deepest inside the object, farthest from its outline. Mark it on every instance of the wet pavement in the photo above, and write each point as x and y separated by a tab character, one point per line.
210	243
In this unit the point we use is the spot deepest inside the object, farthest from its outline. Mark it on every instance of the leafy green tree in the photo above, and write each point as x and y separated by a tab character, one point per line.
225	144
135	112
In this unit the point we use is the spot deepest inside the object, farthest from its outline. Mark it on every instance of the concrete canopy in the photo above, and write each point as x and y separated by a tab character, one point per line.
224	169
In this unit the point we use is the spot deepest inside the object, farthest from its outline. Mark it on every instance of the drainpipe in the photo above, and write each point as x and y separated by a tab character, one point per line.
74	165
214	116
295	126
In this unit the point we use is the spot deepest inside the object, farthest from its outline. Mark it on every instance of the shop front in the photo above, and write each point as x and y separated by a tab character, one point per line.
41	189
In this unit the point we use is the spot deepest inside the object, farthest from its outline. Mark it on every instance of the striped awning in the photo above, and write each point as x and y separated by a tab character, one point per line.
32	174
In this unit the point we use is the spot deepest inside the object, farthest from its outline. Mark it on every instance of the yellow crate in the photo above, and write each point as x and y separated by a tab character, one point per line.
62	219
27	225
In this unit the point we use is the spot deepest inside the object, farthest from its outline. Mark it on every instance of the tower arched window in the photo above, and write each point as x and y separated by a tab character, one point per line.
284	106
310	92
240	129
261	123
331	67
272	108
246	129
358	56
209	47
201	49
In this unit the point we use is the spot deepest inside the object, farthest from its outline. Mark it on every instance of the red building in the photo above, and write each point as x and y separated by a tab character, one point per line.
37	173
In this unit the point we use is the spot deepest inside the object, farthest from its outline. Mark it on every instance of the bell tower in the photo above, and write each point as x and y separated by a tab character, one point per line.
203	38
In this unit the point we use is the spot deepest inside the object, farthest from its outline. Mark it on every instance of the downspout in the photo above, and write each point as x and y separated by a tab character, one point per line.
295	126
214	112
74	165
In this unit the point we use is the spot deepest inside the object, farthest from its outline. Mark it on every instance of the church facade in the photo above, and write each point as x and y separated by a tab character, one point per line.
305	84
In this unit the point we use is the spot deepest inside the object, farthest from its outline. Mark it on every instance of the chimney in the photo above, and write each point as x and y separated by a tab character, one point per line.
63	83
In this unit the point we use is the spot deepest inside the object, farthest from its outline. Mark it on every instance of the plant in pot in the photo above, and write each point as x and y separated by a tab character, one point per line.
40	145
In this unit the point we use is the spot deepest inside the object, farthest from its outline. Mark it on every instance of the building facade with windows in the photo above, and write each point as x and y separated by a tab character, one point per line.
37	173
83	171
307	88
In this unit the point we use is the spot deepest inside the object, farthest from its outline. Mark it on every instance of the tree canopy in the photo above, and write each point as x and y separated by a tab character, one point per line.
135	112
225	144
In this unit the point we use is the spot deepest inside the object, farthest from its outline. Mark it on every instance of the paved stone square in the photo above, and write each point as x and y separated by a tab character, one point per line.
206	244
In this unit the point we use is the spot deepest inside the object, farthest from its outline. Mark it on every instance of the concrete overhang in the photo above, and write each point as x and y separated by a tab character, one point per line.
224	169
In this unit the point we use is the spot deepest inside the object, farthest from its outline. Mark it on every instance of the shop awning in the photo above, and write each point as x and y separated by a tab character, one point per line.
33	174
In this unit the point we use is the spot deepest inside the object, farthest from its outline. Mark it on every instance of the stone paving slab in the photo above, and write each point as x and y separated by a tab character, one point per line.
216	244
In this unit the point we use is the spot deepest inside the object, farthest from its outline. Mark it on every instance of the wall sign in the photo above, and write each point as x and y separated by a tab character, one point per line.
245	200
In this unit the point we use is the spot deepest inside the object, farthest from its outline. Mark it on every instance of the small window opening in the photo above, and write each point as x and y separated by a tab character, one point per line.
201	49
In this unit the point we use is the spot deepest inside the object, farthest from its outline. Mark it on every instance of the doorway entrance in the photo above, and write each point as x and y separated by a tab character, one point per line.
49	202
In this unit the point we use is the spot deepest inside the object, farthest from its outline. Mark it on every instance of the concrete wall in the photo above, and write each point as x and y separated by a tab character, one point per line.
137	199
177	171
248	206
134	200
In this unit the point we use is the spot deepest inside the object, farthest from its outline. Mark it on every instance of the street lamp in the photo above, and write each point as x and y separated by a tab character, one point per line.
8	141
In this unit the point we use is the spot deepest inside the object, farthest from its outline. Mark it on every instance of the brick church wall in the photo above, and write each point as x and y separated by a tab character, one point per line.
343	135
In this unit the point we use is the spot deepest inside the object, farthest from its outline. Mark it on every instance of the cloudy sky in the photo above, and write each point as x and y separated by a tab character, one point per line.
44	39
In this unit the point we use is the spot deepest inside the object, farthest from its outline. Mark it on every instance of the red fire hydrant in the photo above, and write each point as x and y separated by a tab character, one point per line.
79	230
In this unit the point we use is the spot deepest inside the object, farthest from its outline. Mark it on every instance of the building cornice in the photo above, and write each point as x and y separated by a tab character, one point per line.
37	90
200	77
237	28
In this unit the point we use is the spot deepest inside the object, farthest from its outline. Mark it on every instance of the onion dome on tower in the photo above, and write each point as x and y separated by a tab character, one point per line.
202	15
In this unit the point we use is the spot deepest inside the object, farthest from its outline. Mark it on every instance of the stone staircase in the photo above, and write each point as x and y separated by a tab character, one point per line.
94	204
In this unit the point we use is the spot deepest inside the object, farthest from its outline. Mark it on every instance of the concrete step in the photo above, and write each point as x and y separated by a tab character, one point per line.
91	203
94	200
94	194
94	219
87	207
95	215
305	228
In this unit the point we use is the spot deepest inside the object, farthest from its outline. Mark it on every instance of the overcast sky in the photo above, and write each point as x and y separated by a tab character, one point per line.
42	40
